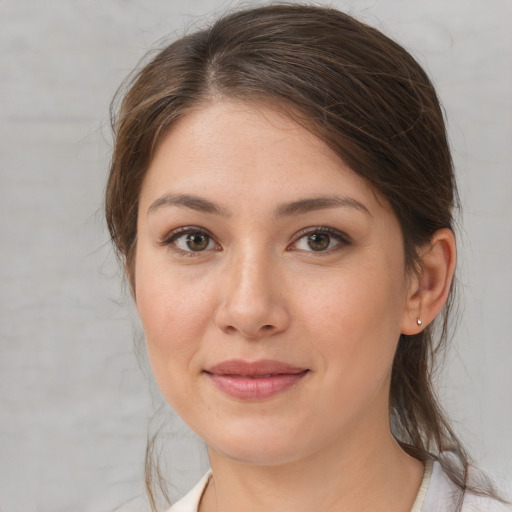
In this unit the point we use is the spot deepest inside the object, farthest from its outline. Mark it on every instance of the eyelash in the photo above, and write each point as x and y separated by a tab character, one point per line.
342	239
172	237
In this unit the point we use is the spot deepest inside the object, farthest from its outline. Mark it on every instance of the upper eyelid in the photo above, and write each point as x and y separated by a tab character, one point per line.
322	229
342	238
168	241
183	230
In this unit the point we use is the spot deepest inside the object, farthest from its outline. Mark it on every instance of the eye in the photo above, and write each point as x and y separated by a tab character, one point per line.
190	240
321	239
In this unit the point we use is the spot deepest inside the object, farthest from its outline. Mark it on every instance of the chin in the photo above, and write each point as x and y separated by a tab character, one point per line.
264	446
253	454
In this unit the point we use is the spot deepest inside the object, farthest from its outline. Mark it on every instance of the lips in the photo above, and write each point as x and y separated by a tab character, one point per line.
254	380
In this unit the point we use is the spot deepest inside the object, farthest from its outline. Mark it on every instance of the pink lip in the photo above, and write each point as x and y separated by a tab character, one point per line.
254	380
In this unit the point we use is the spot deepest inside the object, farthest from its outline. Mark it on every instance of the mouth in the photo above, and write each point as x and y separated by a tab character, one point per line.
255	380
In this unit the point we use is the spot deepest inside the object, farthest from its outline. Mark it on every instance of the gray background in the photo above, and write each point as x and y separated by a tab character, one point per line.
74	403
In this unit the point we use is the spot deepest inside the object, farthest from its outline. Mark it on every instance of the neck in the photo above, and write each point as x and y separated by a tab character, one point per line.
371	474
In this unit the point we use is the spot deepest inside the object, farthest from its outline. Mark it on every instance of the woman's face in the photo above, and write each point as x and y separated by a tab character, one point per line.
271	286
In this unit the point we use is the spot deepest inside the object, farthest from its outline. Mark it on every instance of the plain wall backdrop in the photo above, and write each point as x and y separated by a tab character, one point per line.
74	403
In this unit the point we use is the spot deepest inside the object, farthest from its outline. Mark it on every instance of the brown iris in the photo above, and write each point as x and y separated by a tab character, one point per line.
319	241
197	241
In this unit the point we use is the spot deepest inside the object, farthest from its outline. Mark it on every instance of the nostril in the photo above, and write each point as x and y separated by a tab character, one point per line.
264	329
230	329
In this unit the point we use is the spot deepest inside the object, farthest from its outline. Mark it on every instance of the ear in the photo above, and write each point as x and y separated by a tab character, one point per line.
430	286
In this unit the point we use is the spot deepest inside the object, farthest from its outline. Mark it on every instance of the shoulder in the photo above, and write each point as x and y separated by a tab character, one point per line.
190	502
443	495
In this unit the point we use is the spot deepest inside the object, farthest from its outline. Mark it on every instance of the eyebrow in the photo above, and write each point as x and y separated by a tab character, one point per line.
298	207
320	203
196	203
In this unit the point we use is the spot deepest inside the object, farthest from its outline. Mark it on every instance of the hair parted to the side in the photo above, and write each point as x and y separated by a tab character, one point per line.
358	91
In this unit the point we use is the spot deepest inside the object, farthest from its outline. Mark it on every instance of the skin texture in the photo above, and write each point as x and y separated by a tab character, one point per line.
257	290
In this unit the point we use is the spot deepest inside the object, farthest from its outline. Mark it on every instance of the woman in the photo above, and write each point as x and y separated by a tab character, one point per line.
281	196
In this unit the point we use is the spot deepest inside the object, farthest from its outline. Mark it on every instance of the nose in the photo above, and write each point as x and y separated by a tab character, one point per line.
253	301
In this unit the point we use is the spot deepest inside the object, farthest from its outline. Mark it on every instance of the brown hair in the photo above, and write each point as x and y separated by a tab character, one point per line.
361	93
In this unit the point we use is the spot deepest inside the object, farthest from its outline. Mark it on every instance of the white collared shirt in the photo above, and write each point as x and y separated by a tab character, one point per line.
437	493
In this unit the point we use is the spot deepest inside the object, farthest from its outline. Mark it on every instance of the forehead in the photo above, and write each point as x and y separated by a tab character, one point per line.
244	151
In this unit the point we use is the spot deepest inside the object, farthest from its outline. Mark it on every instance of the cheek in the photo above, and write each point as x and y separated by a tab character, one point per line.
354	328
355	299
174	315
355	315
